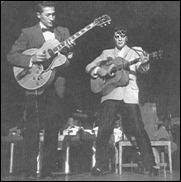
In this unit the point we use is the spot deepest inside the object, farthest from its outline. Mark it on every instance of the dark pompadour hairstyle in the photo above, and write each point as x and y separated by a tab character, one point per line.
120	28
44	4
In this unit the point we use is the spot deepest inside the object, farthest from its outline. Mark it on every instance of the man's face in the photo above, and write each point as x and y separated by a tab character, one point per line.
47	17
120	40
71	122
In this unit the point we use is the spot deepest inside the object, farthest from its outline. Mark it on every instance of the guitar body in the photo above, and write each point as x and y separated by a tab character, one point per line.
118	76
107	84
40	75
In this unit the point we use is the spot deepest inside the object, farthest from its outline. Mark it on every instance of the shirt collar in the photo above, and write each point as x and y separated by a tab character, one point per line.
121	53
42	25
122	50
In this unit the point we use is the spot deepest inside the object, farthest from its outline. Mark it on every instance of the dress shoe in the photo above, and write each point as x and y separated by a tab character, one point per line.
96	171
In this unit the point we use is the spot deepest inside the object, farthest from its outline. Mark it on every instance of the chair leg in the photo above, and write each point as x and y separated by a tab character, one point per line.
120	158
163	160
116	160
93	156
11	158
67	167
170	156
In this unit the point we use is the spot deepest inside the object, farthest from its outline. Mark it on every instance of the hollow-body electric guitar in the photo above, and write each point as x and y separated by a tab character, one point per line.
41	75
118	74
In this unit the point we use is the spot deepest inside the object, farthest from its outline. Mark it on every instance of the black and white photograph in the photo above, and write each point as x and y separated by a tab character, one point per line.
90	90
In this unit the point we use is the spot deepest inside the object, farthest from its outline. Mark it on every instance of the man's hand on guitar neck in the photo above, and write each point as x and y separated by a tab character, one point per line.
70	43
144	57
145	65
69	48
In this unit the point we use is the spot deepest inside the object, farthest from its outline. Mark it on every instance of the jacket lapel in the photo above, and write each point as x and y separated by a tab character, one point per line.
126	50
57	35
39	36
115	53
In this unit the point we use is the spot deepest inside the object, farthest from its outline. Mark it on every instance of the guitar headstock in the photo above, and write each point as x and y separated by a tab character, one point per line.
157	55
102	21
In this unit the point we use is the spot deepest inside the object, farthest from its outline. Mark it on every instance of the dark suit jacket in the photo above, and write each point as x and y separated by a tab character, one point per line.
32	37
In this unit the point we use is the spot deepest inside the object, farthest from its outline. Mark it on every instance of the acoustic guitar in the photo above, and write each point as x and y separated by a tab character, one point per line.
41	75
118	74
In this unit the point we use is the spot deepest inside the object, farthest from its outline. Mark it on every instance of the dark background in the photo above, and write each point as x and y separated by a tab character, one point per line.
152	25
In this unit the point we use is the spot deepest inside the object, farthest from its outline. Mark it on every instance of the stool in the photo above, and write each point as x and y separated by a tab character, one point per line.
126	143
12	140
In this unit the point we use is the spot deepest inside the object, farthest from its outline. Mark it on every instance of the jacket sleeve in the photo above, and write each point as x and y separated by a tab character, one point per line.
94	65
15	56
65	34
141	67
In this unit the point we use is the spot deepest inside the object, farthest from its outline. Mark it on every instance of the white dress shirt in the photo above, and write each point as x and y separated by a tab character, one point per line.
47	35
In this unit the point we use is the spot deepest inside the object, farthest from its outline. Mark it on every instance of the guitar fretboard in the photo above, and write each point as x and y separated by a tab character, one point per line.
127	64
74	37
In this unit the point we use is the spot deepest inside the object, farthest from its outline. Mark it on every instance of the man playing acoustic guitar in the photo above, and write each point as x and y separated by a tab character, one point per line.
123	98
44	107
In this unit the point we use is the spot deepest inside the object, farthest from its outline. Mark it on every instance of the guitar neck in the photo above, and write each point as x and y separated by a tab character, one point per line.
82	31
131	63
74	37
127	64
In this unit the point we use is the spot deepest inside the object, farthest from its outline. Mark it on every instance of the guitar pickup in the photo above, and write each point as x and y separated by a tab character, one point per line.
51	53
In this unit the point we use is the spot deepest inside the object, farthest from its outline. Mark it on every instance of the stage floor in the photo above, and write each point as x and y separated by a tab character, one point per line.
126	176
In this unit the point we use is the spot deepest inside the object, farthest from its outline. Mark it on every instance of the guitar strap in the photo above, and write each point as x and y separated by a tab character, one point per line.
132	72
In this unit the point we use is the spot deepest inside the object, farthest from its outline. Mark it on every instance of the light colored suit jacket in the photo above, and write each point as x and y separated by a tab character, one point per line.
127	93
32	37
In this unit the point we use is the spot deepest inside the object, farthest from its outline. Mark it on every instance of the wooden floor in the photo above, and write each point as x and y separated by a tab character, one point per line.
126	176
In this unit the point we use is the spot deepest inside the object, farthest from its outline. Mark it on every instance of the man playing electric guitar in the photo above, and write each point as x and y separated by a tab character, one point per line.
44	108
124	100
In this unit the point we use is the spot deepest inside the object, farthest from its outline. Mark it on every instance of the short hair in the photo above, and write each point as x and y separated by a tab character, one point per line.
121	28
44	4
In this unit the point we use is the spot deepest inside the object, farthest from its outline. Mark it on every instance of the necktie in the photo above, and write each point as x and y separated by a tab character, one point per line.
48	29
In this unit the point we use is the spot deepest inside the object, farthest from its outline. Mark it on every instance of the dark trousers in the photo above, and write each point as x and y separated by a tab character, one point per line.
42	112
132	125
